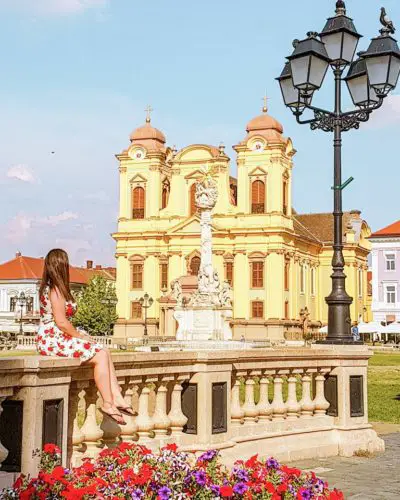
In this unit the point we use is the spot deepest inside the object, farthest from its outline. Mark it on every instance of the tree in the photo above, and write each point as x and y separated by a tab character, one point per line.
96	307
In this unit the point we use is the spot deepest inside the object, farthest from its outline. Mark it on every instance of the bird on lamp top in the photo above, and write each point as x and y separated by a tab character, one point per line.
386	21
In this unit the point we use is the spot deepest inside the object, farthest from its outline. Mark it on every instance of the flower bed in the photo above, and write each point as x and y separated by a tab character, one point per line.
133	472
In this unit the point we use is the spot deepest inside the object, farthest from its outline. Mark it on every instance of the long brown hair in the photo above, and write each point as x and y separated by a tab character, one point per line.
56	273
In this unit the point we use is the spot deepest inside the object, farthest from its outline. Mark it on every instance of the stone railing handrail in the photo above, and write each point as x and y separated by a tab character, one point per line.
231	400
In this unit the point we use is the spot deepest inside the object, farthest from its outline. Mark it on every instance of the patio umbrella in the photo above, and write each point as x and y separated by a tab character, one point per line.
393	329
324	329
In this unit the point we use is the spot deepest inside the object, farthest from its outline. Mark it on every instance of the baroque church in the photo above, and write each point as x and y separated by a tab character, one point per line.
278	262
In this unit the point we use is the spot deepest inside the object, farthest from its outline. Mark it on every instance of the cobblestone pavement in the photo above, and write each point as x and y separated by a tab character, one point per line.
375	478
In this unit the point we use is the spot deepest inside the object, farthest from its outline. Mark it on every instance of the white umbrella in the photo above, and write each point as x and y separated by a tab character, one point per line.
324	329
392	328
372	327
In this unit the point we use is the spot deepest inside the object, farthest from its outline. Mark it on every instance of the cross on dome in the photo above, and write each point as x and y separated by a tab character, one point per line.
148	110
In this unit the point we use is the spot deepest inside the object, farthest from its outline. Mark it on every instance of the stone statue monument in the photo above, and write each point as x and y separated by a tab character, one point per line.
206	316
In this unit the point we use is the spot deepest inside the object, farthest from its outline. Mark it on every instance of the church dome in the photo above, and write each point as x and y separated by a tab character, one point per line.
264	122
147	132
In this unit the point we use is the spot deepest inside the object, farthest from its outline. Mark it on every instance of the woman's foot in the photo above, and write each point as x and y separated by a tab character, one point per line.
109	410
127	410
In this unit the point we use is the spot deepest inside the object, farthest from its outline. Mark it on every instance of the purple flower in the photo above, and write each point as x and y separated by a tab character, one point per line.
305	494
164	493
200	477
241	474
208	456
137	494
272	463
240	488
215	489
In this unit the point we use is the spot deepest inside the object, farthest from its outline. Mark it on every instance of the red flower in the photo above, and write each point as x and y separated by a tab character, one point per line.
336	495
58	473
171	447
51	448
270	487
251	462
87	345
282	488
77	354
18	483
51	349
226	491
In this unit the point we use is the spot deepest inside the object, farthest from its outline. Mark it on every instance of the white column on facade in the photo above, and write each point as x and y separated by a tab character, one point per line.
122	286
151	282
274	284
241	281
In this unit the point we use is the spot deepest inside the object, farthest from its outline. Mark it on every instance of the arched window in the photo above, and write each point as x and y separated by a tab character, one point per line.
258	197
195	265
233	194
285	197
138	201
193	208
165	194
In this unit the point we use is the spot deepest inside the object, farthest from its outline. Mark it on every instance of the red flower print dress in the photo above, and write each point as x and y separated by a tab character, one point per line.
51	341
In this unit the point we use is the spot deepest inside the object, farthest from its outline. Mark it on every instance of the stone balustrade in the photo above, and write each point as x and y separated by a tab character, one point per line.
28	342
289	403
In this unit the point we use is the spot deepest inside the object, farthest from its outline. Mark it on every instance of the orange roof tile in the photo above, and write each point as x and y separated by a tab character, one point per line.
388	231
23	268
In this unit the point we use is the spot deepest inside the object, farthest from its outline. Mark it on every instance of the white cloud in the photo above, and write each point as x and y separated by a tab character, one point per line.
387	115
21	225
21	173
99	196
52	6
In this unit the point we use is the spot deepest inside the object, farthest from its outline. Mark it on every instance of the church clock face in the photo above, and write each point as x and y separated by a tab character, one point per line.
137	154
258	146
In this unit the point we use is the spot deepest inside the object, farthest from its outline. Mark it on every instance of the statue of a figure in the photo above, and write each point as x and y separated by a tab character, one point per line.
206	193
208	279
305	317
225	296
177	292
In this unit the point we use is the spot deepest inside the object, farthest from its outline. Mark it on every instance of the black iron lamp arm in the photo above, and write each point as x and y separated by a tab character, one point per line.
326	120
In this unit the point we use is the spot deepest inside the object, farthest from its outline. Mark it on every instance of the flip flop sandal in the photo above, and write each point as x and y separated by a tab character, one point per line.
112	416
127	410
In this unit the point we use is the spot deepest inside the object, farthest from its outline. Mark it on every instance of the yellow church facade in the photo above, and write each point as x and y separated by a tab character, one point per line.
278	262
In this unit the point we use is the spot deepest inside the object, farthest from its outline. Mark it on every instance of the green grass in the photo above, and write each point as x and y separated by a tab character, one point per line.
384	388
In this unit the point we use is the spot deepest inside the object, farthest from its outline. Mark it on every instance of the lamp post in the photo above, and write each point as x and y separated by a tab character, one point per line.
370	78
146	301
21	300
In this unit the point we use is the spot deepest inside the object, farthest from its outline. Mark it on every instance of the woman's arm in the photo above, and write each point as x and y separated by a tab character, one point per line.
58	305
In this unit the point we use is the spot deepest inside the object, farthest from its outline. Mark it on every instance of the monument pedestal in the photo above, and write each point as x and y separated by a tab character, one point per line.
203	323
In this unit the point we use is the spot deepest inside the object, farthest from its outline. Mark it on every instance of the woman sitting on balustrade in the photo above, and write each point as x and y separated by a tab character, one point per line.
58	337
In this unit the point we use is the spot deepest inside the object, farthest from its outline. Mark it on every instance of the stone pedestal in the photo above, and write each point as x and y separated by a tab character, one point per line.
203	323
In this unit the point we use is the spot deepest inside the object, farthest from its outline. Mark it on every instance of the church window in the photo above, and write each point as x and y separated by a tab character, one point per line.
165	194
233	194
287	274
258	197
138	200
195	265
313	281
193	208
137	276
303	279
229	273
13	304
164	276
29	305
257	274
136	310
360	283
285	197
286	309
257	309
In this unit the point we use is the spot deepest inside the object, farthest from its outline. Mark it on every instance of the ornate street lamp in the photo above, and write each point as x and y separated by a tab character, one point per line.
369	80
146	301
21	300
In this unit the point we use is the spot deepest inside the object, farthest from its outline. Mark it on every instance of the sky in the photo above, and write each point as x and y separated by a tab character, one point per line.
76	76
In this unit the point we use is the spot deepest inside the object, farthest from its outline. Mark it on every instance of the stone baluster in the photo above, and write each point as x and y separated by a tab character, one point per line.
144	421
75	445
278	405
161	420
264	406
237	412
111	432
307	405
293	407
3	450
176	415
90	428
129	390
320	403
250	409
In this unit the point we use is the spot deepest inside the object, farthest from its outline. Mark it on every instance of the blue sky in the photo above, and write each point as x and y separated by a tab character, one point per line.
76	76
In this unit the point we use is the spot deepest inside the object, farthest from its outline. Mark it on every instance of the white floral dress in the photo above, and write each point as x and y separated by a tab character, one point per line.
51	341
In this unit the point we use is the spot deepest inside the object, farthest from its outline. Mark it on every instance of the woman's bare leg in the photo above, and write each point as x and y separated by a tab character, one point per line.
103	381
118	399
